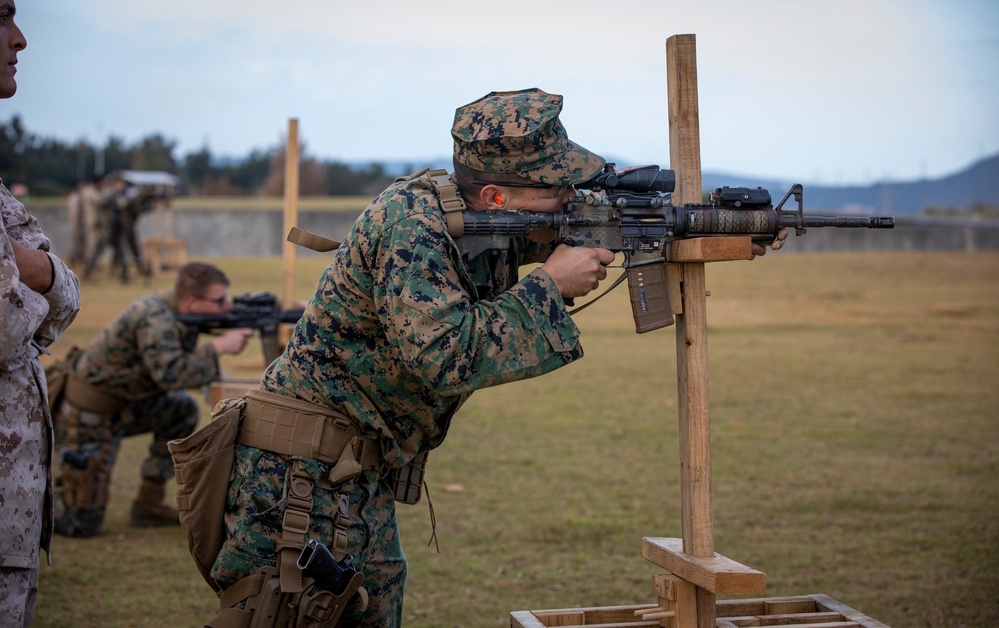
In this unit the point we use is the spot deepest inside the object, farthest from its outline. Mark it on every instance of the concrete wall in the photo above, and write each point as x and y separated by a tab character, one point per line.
234	233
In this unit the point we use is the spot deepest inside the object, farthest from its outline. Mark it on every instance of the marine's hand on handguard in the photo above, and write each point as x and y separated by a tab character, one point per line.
777	244
577	270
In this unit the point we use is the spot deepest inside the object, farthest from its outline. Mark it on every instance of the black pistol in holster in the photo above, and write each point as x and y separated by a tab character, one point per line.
329	585
327	573
333	582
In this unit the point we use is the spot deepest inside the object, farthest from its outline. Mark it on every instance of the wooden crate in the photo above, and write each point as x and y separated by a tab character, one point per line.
164	255
804	611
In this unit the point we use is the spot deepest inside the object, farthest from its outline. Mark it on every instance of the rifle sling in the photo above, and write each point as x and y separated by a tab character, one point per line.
616	283
312	241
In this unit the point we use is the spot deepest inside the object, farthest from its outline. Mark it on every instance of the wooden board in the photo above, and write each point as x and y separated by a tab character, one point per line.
718	574
720	249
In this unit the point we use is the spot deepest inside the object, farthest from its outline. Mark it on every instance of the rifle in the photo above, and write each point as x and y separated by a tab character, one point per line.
630	211
253	310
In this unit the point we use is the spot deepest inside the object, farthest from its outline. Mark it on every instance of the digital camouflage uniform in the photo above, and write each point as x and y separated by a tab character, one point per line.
149	359
31	322
403	327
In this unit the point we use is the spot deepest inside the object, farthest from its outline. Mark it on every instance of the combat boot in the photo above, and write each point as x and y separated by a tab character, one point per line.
149	509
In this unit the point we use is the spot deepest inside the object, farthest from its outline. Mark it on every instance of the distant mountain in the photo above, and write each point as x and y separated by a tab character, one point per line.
978	184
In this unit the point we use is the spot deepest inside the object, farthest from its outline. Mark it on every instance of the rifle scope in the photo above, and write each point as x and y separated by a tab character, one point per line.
634	179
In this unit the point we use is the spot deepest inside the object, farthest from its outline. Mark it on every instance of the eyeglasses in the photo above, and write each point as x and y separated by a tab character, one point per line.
518	185
218	302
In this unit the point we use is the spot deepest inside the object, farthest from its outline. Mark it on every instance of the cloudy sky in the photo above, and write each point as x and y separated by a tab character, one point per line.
817	91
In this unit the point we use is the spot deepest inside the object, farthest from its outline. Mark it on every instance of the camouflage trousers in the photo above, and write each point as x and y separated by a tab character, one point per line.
255	506
18	595
87	445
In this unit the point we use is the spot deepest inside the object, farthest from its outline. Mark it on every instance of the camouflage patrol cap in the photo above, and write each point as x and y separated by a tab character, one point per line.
520	133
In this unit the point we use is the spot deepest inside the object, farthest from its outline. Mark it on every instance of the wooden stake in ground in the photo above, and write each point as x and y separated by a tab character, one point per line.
691	324
290	213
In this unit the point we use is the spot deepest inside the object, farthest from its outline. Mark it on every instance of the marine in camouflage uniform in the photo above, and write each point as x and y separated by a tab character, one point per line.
404	325
39	298
32	320
147	359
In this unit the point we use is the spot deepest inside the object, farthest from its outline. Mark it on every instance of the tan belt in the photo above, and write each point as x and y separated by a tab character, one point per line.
292	427
86	397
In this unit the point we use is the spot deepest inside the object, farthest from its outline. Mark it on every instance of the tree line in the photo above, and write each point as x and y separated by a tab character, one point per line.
50	167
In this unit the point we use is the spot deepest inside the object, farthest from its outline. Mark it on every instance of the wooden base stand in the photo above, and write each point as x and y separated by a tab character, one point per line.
803	611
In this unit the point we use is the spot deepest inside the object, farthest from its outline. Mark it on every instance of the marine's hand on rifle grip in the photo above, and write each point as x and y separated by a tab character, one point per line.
232	341
577	270
759	249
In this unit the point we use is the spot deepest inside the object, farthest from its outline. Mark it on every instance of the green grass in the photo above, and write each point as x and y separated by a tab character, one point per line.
855	452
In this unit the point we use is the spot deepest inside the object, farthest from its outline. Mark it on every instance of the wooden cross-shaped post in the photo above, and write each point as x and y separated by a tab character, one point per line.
691	325
701	573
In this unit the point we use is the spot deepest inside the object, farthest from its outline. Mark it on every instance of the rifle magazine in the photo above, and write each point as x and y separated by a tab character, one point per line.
407	481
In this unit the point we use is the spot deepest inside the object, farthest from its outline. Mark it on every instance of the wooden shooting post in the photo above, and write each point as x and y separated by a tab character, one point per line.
238	387
290	213
695	574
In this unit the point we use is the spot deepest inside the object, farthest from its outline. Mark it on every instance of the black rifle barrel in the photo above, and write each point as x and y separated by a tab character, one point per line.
860	222
698	219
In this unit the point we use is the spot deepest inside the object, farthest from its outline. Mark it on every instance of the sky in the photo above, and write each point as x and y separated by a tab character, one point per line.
833	92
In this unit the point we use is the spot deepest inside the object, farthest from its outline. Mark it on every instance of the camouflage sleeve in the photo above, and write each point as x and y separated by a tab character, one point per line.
30	319
21	308
169	364
454	344
64	303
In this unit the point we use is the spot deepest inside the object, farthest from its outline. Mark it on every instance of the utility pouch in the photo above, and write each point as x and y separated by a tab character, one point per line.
56	375
203	463
407	481
84	442
83	484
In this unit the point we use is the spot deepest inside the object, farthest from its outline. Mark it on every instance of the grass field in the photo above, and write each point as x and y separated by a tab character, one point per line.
855	451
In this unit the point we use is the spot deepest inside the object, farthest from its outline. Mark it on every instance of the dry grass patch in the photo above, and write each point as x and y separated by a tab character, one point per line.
855	451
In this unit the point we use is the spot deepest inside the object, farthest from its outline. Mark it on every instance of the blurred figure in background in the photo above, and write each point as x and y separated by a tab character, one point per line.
91	193
109	204
139	201
77	227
